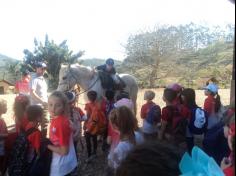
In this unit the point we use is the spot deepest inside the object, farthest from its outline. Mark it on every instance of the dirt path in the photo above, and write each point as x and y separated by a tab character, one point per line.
97	167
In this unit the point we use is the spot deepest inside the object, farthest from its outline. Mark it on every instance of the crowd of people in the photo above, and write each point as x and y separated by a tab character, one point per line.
155	148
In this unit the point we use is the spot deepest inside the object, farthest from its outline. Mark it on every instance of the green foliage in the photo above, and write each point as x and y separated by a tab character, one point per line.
185	52
53	55
9	68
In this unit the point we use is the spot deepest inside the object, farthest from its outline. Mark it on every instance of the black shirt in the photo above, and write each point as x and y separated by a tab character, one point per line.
104	68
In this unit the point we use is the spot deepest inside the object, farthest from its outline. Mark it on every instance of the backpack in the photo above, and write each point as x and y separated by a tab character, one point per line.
177	125
42	163
199	121
97	122
18	164
154	114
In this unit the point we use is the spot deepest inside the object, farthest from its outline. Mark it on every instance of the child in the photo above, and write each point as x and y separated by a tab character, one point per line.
64	157
149	159
19	108
125	123
76	117
34	114
212	105
3	135
178	89
151	114
123	99
173	119
89	107
166	117
188	97
113	135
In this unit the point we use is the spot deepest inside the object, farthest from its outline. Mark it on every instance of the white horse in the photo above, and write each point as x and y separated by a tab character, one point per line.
74	74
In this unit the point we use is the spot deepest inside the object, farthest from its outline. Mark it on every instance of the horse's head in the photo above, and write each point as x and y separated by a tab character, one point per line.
67	79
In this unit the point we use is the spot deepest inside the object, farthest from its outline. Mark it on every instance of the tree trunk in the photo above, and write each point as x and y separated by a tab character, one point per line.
152	77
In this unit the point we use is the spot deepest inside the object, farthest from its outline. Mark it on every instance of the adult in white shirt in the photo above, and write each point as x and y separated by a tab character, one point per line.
38	93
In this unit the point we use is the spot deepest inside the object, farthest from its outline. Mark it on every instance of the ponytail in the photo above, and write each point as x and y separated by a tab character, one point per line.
217	103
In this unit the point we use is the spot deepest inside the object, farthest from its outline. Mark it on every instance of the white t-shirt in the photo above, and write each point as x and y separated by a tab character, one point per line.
122	150
40	86
63	165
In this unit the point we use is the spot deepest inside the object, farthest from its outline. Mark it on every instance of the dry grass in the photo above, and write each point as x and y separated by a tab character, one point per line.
225	97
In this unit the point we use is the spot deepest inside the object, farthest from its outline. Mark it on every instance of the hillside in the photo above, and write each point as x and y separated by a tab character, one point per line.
191	69
5	68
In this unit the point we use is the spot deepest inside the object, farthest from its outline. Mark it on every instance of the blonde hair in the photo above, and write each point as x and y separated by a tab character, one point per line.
63	99
149	95
2	104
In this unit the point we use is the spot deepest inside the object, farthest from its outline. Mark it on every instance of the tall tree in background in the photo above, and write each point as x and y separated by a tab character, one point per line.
53	54
172	43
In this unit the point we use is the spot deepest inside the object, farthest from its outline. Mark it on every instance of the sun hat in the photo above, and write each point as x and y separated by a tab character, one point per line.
70	96
149	95
212	88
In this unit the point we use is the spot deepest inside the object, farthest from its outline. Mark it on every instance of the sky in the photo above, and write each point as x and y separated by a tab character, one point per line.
99	27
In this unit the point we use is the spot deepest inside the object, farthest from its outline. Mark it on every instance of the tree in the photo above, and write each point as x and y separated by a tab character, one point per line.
53	54
173	45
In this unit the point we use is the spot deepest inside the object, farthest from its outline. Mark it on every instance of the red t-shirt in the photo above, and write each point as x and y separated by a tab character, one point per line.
34	138
145	109
23	86
60	131
209	105
167	114
229	171
89	108
3	126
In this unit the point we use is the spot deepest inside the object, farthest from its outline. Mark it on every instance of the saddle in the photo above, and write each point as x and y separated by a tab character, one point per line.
108	83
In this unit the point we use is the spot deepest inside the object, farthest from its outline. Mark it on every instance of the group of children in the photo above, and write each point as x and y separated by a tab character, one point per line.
181	123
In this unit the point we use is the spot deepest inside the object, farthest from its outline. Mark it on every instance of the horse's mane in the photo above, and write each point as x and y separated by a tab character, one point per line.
83	70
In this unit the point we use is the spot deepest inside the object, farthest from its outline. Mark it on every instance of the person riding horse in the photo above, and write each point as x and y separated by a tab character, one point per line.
107	73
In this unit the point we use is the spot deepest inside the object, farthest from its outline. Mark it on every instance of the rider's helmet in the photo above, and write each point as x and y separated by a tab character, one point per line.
110	61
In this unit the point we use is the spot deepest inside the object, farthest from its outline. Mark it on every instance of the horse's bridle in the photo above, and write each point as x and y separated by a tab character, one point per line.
76	80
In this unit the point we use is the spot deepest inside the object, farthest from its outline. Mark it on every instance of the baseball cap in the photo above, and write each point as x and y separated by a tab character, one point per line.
212	88
41	65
